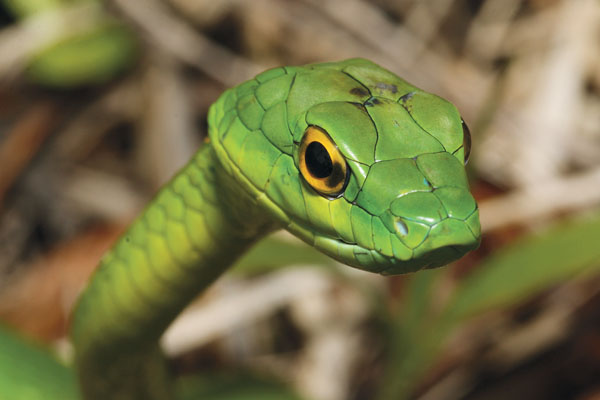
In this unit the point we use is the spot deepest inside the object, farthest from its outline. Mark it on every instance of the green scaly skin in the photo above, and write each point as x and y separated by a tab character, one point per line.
407	206
181	243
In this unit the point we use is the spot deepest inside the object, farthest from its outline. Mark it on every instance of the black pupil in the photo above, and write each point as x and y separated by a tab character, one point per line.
317	159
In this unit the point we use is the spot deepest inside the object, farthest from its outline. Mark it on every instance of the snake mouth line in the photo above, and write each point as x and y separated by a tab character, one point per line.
350	253
374	260
354	254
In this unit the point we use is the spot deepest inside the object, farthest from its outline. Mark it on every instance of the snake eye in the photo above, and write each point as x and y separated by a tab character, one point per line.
466	141
322	164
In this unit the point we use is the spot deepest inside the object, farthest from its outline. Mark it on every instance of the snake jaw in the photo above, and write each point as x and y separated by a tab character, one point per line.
447	241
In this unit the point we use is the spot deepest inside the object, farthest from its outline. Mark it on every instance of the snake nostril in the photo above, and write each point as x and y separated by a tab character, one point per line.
401	227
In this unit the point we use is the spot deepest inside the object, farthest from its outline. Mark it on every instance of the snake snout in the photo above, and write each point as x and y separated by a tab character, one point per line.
434	246
436	226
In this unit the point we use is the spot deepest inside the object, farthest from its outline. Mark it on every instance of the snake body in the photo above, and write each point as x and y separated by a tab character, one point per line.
346	155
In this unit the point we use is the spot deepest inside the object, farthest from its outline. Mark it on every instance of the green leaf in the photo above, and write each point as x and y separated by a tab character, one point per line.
275	252
414	339
529	266
30	372
513	274
89	58
25	8
232	387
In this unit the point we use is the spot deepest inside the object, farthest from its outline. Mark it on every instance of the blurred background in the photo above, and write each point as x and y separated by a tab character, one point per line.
101	102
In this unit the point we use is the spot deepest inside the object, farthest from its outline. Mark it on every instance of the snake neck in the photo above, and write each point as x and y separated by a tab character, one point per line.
196	227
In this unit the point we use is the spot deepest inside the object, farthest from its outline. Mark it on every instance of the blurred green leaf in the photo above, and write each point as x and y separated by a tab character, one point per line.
232	387
30	372
273	253
25	8
529	266
88	58
513	274
413	337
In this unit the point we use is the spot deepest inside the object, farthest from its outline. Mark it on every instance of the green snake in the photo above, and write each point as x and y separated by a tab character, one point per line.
346	156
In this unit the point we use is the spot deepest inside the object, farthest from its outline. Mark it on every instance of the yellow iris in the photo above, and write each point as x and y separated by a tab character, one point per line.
321	163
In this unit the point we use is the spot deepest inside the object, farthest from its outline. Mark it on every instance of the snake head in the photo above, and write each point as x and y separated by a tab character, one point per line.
353	160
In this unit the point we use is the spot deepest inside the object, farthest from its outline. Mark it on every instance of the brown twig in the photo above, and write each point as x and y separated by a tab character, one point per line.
24	141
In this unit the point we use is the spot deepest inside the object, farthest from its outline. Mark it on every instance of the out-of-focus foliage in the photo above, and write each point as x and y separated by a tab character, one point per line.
533	263
516	319
232	387
89	58
516	273
31	373
26	8
273	253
